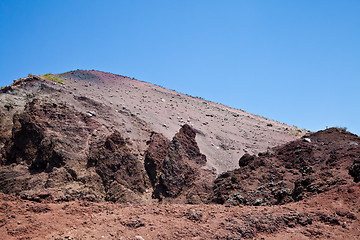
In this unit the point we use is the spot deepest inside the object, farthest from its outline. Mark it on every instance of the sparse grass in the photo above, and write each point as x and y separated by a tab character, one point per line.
342	129
296	131
52	77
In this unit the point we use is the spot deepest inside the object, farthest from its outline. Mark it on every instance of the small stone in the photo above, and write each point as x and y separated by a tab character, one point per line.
344	225
194	215
91	113
258	201
139	238
307	140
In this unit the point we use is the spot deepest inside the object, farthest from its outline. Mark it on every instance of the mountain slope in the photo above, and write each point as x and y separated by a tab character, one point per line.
71	136
92	137
224	134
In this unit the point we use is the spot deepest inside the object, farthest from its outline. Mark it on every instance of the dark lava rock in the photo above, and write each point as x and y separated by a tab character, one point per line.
354	170
42	157
292	172
176	171
29	143
157	150
48	158
122	173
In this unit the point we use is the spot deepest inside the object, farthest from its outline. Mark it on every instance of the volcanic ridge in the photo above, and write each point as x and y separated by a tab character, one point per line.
118	158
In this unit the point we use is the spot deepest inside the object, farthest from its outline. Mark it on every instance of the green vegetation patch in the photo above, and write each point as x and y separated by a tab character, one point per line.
53	77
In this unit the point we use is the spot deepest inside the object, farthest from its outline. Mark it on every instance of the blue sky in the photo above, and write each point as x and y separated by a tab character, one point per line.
296	62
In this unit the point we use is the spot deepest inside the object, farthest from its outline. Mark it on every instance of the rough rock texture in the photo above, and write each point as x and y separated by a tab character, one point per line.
155	154
175	168
121	172
354	170
50	156
295	171
44	151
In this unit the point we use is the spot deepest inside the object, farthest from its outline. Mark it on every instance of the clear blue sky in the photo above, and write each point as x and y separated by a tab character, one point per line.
297	62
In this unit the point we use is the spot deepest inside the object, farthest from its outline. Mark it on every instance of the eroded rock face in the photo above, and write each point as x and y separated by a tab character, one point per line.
176	170
295	171
157	151
30	144
122	173
55	154
45	154
354	170
45	134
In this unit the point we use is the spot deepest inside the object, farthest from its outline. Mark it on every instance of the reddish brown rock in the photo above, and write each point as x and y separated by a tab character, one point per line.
292	172
30	144
121	172
179	174
44	155
157	150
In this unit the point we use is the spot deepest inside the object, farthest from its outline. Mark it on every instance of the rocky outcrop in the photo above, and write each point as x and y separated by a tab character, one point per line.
354	170
121	172
45	155
295	171
176	168
44	135
57	153
158	149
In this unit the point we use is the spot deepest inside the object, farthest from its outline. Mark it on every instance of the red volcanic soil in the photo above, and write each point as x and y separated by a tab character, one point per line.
331	215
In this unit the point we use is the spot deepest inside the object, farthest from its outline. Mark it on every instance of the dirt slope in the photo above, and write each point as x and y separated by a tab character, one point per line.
69	136
225	134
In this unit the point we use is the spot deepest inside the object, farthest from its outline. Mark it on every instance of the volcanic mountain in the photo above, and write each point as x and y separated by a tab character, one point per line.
61	126
93	137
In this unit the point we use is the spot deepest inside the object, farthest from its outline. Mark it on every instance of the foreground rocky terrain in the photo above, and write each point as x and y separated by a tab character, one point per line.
331	215
87	154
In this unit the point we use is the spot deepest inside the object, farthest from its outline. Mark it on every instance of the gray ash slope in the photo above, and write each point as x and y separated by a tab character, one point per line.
57	136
